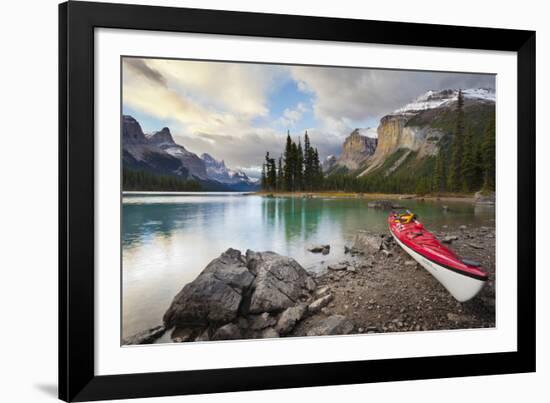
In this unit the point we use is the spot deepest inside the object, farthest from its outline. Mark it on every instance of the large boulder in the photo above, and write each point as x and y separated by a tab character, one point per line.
279	284
367	242
214	296
234	287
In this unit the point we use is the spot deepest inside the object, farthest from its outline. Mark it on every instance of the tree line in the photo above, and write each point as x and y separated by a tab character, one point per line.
297	169
133	180
469	165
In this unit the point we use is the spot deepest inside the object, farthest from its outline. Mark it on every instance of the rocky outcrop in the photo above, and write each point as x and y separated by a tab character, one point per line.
280	282
394	134
214	296
259	294
356	150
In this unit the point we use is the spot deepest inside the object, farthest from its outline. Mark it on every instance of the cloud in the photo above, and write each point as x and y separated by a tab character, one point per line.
346	96
140	67
216	107
292	116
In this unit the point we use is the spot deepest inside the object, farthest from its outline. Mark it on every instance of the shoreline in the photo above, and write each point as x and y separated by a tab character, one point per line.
451	197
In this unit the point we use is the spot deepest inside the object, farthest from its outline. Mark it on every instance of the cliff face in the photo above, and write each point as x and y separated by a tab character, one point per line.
414	132
395	134
356	150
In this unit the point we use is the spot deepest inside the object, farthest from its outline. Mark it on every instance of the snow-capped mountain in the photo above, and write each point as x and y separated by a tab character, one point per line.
218	171
436	99
159	154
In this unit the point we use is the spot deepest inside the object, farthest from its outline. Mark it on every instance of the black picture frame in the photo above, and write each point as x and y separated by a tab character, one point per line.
77	21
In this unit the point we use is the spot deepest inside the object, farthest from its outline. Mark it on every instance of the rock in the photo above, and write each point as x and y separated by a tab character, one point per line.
289	318
316	305
322	290
204	336
473	245
351	269
145	337
280	282
259	322
450	238
387	253
326	251
463	227
337	266
181	335
269	333
214	296
319	249
367	242
381	204
347	249
227	332
410	263
335	324
232	284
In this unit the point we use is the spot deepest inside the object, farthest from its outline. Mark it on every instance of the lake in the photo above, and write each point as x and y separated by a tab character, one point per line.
167	239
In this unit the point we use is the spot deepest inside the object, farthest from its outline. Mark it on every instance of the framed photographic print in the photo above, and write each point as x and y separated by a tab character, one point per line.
259	201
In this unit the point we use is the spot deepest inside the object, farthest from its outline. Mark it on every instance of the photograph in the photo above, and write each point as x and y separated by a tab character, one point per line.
263	200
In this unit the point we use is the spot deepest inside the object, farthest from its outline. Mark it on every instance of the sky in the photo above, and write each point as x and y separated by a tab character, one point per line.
238	111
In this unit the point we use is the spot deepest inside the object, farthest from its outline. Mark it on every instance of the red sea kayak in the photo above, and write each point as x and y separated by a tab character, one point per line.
461	277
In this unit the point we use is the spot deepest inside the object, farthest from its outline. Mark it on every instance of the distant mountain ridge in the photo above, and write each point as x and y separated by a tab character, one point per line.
218	171
159	154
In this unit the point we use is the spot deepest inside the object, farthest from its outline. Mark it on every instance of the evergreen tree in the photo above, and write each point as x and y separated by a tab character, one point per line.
288	160
294	166
439	182
308	171
455	167
478	154
263	178
299	167
317	171
489	155
280	174
272	174
468	169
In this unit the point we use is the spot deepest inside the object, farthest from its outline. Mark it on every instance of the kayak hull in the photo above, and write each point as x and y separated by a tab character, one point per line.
460	286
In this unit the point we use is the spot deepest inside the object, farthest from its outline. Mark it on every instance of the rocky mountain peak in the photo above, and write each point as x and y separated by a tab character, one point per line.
211	161
356	149
131	131
162	137
436	99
